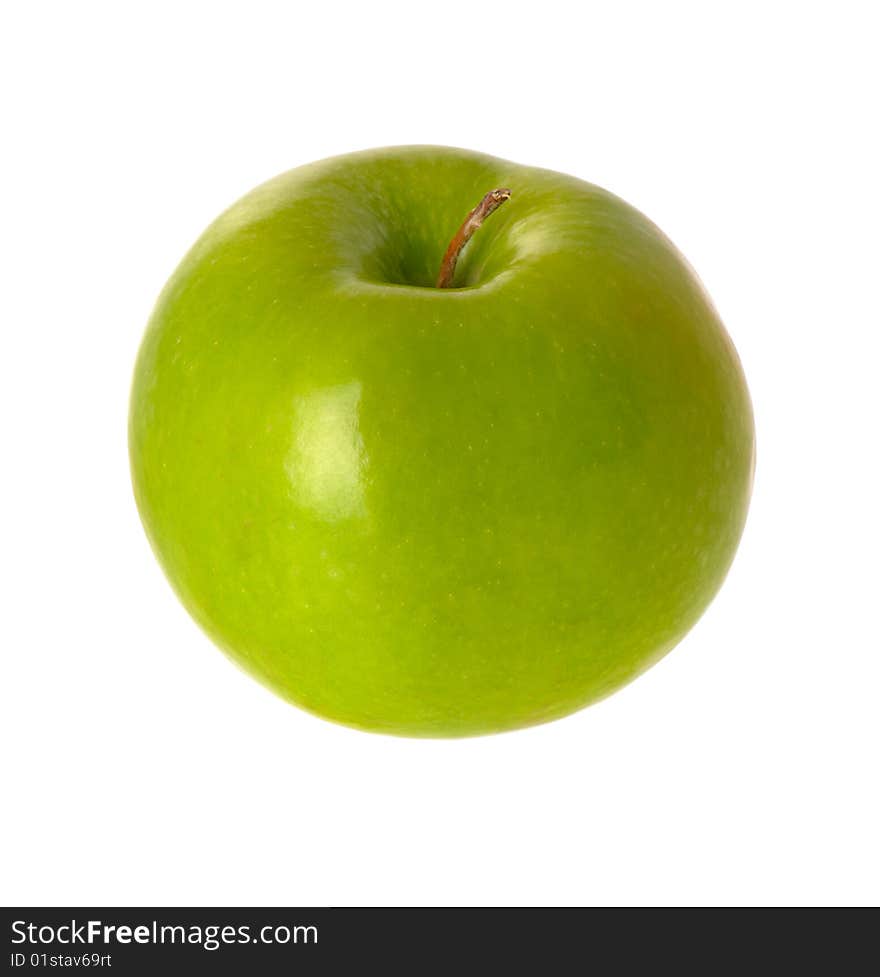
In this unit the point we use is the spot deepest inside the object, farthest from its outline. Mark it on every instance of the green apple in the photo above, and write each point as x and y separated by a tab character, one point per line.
439	511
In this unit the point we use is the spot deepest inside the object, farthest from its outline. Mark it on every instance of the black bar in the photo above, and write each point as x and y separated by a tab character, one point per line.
163	941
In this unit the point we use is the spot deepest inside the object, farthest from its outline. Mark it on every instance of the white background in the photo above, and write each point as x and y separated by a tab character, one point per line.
140	766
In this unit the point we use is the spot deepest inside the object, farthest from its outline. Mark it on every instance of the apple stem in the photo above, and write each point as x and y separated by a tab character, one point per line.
488	205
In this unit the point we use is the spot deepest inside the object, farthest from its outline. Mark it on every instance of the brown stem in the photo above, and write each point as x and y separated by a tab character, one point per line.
490	203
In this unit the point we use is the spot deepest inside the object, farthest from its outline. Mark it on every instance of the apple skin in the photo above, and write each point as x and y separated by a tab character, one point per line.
439	512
